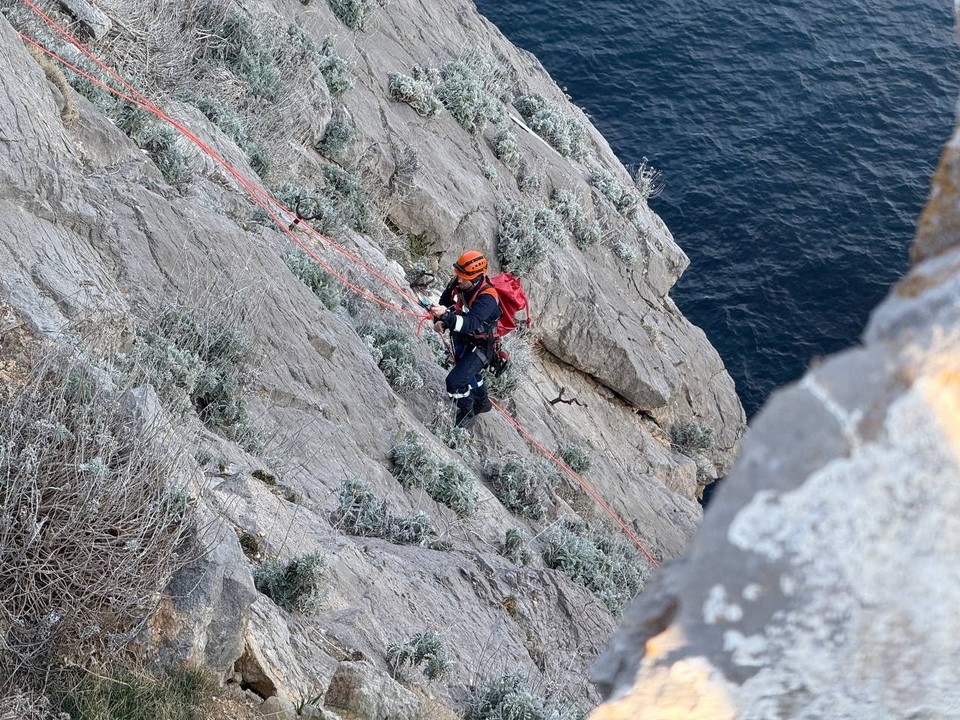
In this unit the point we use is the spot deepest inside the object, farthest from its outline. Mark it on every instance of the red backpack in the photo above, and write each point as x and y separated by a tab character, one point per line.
512	301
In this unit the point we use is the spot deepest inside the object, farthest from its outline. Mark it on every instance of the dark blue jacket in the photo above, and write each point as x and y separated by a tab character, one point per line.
476	321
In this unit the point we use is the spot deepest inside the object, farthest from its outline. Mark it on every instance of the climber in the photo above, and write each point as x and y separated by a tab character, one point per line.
469	307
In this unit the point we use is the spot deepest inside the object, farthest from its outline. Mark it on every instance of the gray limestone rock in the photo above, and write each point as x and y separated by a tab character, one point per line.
90	17
370	694
206	606
274	708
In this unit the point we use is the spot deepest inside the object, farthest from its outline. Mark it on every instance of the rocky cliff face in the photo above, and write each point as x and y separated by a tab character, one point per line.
99	238
822	582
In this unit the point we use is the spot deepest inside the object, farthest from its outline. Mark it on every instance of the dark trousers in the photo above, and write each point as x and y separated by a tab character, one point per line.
464	382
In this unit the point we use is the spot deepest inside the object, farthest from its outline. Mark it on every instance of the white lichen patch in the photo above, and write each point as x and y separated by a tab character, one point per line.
717	609
752	592
862	545
747	651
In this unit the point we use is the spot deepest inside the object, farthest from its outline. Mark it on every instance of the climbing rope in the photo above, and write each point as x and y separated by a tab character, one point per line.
271	206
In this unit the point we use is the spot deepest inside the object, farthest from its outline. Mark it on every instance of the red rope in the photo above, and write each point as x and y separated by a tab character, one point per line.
263	199
589	490
260	196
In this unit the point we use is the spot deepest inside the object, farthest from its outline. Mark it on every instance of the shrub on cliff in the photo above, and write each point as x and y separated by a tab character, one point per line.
469	89
158	140
393	352
608	567
505	147
514	548
296	585
233	126
197	358
320	282
518	345
647	180
427	648
335	70
585	233
447	483
561	131
418	94
353	13
91	517
346	192
576	458
510	697
339	135
519	489
690	438
522	246
246	51
360	512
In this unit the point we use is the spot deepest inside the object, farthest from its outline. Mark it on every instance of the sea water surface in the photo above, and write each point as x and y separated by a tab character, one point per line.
796	140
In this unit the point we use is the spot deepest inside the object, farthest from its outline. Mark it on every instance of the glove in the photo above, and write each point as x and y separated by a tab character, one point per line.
449	319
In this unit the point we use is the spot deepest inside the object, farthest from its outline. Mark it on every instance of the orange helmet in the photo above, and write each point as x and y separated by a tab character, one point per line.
470	265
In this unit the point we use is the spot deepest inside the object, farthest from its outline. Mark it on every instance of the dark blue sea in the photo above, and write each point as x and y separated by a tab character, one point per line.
796	139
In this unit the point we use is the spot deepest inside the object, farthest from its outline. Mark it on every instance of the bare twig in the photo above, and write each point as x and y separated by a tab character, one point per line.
572	401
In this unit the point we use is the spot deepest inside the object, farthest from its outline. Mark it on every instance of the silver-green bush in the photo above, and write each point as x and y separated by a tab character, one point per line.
576	458
585	233
518	345
197	359
505	147
244	49
447	483
625	200
158	140
339	135
310	204
510	697
519	489
416	529
515	549
529	177
296	585
426	648
233	127
413	464
393	352
455	488
609	568
418	94
320	282
561	131
624	248
548	223
469	89
335	70
360	512
690	438
345	191
353	13
522	246
647	180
